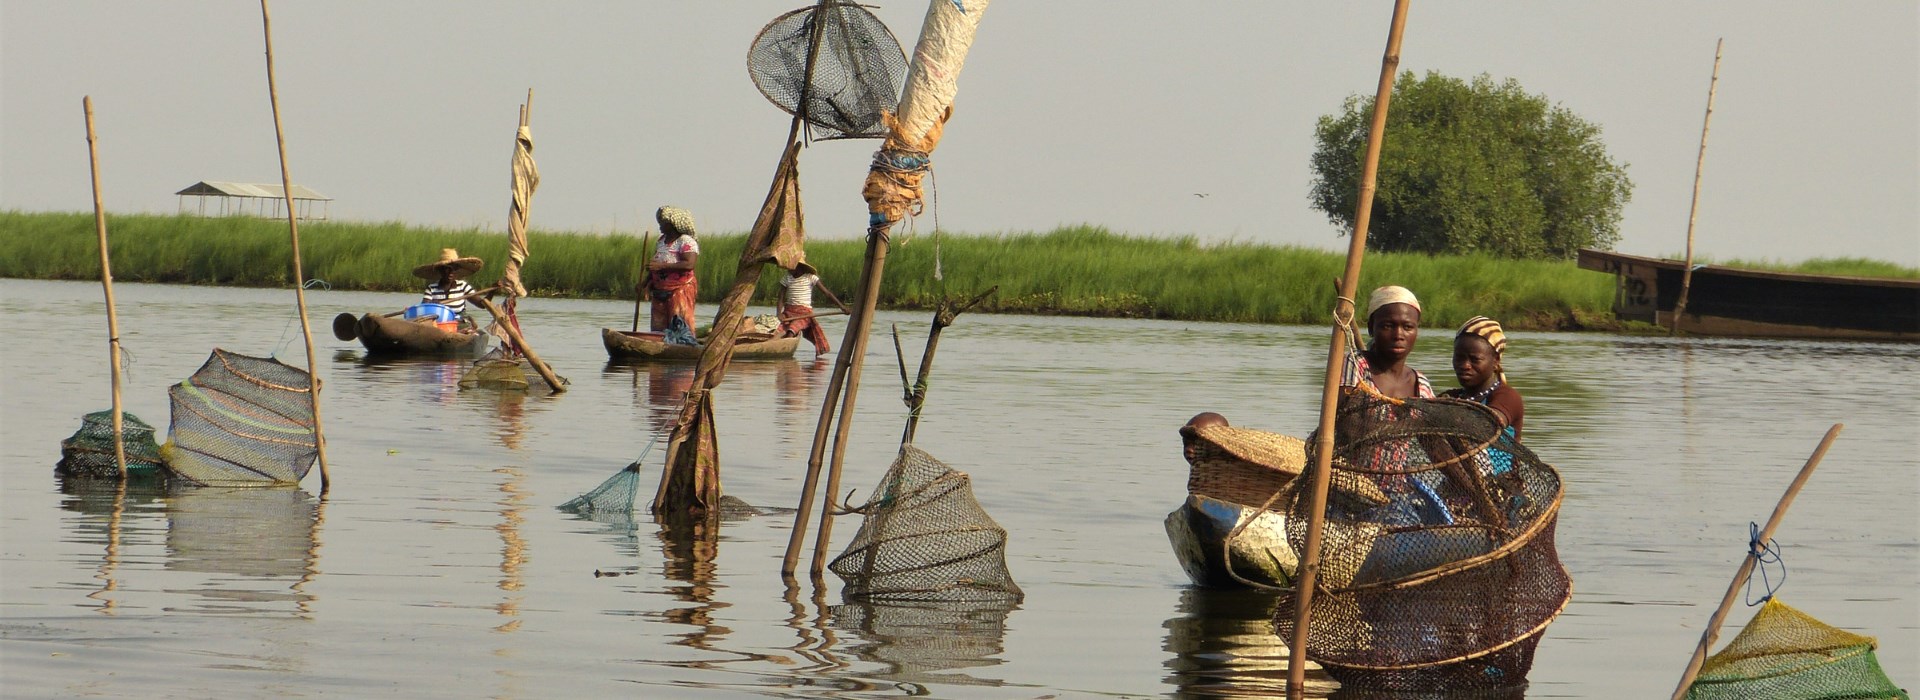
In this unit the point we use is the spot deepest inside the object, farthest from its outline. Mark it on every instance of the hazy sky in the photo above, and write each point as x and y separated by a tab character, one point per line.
1111	112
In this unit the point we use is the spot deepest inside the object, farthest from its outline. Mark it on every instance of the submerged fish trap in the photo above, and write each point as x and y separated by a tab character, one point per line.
242	421
925	537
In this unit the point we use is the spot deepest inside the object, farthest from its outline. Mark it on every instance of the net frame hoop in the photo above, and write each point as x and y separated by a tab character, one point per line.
1503	646
211	421
1824	659
1340	461
222	355
809	118
1526	537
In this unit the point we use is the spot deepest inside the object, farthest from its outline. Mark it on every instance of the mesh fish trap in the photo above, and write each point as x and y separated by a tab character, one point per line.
1785	653
242	421
856	78
89	452
1450	583
925	538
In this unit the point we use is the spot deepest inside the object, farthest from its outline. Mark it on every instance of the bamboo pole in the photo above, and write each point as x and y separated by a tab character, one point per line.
1712	632
293	231
916	393
533	358
1343	311
106	282
853	356
1693	210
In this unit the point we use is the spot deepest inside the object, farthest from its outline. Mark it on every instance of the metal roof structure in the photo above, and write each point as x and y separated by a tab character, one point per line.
251	198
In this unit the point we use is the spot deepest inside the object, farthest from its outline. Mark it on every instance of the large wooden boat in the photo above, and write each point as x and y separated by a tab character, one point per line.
383	335
647	346
1727	301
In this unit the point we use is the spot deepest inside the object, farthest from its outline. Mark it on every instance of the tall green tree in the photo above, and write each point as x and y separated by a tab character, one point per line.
1473	167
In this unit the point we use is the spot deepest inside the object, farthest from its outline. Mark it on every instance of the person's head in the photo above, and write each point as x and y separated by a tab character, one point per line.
1191	431
1393	321
1477	349
674	222
802	269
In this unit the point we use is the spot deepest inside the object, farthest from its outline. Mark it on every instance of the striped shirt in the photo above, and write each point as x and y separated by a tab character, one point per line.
436	295
799	290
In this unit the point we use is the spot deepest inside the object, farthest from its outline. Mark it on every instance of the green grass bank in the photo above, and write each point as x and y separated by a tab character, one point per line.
1080	270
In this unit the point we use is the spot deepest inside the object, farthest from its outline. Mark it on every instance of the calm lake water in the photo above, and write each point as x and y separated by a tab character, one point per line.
438	565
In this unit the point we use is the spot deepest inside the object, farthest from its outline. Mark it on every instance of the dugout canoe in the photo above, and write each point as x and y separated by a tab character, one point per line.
1736	302
645	346
382	335
1198	530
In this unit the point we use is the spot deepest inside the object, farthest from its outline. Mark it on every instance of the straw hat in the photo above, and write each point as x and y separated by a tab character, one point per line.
449	257
1230	459
806	268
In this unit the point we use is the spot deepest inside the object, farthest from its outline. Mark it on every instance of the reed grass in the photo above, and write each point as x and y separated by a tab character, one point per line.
1078	270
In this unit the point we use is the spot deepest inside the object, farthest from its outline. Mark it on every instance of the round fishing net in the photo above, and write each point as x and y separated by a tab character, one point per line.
856	77
242	421
89	452
1448	585
1785	653
924	537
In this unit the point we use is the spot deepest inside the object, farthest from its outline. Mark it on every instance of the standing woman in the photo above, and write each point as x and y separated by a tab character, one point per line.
1393	324
1477	350
671	283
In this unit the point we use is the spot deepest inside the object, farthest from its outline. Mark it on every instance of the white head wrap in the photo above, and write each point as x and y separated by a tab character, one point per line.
1391	295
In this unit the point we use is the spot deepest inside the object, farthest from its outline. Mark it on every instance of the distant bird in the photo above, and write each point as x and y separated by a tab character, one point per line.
1202	195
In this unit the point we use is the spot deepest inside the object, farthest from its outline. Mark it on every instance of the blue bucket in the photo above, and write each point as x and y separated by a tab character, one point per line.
440	313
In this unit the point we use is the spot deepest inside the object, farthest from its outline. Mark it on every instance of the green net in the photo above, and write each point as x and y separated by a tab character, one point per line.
925	538
1788	654
89	452
242	421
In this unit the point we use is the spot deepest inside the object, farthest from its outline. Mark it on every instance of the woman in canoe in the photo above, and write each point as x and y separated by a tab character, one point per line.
1393	324
670	280
1477	351
449	286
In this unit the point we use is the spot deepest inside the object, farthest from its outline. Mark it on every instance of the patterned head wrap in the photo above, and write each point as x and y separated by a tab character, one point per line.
1489	330
1391	295
675	219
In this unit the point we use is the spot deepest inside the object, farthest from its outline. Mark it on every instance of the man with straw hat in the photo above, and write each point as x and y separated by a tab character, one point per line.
670	281
796	310
449	286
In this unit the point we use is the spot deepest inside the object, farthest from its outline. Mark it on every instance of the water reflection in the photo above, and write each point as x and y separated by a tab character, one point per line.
1224	647
104	506
263	543
924	643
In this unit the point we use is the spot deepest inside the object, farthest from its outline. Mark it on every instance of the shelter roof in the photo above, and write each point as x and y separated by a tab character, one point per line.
242	189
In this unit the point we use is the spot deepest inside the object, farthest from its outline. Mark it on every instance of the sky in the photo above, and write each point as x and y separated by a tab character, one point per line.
1117	113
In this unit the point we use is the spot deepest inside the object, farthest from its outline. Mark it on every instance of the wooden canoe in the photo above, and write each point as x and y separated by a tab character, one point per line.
383	335
1727	301
1198	530
647	346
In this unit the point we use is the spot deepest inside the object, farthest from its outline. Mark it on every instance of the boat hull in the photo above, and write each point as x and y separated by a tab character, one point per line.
1735	302
382	335
649	347
1198	530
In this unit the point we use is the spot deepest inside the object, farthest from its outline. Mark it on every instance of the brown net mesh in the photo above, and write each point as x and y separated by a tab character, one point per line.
924	537
1785	653
88	454
242	421
1450	583
856	77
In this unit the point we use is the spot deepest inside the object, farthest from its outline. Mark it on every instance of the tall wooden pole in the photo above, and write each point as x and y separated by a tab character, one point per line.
106	281
293	231
1693	211
1343	315
1712	632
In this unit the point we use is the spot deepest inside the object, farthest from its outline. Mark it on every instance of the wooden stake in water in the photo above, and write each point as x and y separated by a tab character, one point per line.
1336	359
293	231
1693	211
106	281
1712	632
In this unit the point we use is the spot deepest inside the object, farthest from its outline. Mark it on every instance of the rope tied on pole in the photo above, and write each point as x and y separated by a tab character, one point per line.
1765	554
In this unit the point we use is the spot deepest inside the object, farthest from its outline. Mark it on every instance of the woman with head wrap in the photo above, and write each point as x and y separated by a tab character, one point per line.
670	280
1477	351
1393	324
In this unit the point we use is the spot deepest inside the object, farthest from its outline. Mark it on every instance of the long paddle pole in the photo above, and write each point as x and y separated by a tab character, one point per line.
640	290
553	380
293	231
1712	632
106	281
1336	359
1693	211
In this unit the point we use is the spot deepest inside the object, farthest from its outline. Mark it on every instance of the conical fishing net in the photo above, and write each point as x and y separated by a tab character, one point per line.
1449	584
89	452
857	76
1787	654
242	421
924	537
614	497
